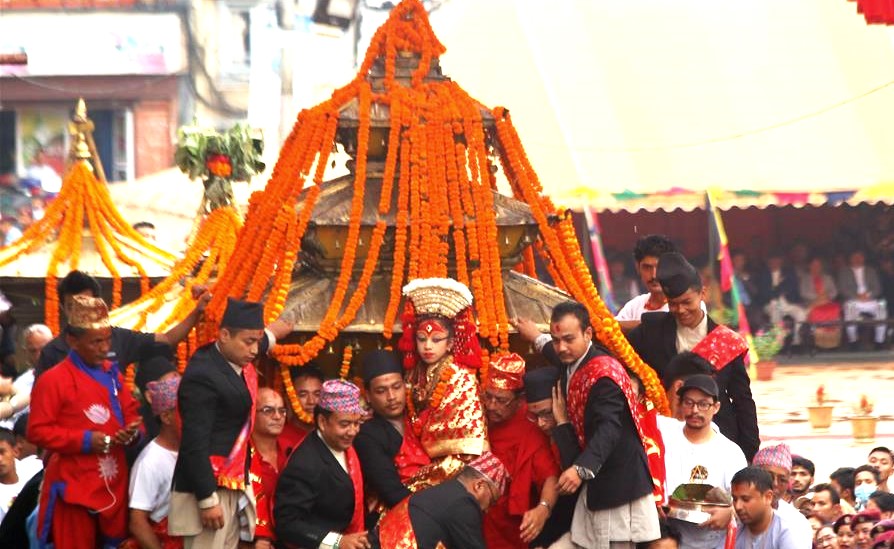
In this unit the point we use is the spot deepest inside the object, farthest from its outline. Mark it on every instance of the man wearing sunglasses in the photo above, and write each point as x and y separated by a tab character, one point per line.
699	454
517	518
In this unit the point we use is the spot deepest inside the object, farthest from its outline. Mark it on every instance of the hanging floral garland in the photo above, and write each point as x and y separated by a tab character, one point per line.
218	160
84	200
438	163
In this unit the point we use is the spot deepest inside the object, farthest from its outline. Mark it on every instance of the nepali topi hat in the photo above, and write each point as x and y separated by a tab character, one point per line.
243	315
676	275
89	313
491	467
539	383
379	363
774	456
162	394
507	373
340	396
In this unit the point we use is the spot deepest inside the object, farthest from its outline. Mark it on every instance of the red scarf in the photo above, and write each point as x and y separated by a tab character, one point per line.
721	346
646	426
411	456
230	470
353	463
395	529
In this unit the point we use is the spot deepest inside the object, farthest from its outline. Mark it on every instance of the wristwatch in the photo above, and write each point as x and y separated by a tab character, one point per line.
584	473
549	508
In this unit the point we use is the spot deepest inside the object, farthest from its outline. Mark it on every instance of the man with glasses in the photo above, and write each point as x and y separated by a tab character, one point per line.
699	454
268	457
516	520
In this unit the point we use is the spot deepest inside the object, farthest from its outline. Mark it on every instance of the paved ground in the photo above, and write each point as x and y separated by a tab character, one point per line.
782	408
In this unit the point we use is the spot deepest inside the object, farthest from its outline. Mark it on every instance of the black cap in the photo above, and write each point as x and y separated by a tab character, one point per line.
703	383
20	427
676	275
539	383
243	315
157	364
378	363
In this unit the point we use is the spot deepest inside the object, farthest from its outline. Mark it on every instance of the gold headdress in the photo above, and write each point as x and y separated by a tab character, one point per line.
438	296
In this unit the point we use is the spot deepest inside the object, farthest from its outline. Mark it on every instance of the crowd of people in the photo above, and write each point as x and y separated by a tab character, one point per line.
434	450
822	300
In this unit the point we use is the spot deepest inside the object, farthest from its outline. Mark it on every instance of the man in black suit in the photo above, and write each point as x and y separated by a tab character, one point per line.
319	496
449	515
388	449
612	460
216	400
661	336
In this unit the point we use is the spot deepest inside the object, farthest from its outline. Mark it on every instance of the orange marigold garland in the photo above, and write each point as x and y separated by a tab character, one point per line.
84	198
438	164
346	362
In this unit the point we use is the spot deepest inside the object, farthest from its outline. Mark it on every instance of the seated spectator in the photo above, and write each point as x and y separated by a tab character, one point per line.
268	457
759	524
819	292
779	290
866	480
308	382
862	525
844	530
883	502
826	503
150	479
882	458
624	286
802	478
861	291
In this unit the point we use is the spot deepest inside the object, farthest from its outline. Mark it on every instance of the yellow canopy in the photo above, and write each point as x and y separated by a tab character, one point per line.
642	96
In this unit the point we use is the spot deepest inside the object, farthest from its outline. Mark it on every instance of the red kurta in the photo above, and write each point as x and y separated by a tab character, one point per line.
526	453
291	436
263	482
67	403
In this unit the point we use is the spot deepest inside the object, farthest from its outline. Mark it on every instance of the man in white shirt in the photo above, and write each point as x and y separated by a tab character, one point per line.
150	478
646	253
861	289
699	454
777	460
10	482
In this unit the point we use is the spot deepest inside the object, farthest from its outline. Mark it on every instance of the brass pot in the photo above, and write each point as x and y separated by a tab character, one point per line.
820	416
864	428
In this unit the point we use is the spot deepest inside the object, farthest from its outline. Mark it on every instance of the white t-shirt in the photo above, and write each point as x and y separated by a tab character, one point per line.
713	462
8	494
150	480
634	309
28	467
